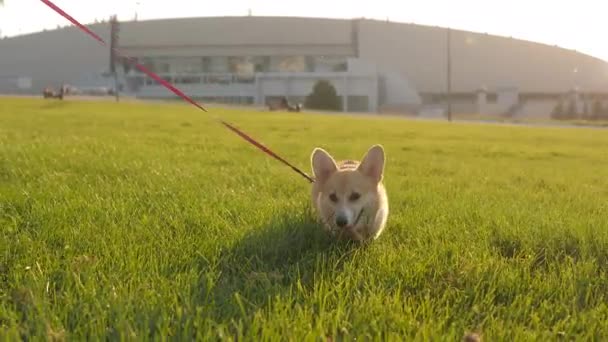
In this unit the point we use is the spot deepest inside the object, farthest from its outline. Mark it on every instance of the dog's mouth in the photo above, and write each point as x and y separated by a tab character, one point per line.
351	226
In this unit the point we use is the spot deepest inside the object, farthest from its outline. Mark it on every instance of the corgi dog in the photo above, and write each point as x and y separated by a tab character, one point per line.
349	196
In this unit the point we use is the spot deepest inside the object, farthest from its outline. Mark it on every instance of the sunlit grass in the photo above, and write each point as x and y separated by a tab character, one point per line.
139	221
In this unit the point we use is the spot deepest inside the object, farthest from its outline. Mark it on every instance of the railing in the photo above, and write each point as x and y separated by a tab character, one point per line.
225	78
219	79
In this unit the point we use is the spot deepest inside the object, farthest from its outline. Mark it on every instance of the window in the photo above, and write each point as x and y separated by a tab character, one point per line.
288	64
329	63
217	65
186	65
156	64
241	65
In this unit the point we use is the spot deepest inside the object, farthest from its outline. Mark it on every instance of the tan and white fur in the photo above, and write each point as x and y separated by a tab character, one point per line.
349	196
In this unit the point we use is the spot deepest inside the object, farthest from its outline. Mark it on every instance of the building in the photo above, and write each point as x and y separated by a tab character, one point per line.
375	65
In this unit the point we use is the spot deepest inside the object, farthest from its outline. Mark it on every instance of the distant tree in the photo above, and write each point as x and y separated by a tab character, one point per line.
586	114
598	110
602	111
571	112
323	96
558	111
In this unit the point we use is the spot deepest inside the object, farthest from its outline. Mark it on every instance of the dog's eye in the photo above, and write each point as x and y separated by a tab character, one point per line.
354	196
333	198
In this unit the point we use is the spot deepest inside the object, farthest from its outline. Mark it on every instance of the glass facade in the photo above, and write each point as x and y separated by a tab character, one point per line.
222	70
245	66
232	79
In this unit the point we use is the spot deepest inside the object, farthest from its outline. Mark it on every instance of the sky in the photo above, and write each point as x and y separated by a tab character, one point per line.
581	25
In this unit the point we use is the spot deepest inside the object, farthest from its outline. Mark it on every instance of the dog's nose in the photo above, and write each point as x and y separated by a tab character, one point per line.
341	221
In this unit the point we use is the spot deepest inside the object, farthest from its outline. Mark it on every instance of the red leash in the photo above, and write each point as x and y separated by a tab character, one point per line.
176	91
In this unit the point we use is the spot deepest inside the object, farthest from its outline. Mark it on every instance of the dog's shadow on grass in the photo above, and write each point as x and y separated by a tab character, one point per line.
290	252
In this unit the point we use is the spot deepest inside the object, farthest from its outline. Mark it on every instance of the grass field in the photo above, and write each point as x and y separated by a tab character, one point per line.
141	221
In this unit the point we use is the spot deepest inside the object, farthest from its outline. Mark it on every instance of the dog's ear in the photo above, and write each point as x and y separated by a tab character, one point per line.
372	164
323	165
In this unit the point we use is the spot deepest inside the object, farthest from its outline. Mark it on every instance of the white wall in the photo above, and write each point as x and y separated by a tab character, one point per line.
415	52
52	57
419	53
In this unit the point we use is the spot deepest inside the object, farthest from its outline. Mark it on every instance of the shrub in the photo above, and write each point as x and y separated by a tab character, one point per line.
324	97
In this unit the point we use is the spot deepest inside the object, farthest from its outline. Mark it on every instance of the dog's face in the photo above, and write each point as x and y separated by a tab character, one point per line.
348	192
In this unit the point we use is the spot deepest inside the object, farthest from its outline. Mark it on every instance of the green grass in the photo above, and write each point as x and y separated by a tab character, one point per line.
142	221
